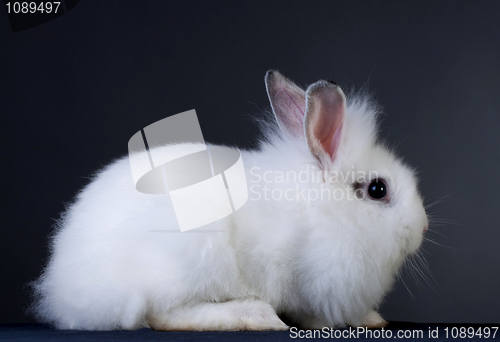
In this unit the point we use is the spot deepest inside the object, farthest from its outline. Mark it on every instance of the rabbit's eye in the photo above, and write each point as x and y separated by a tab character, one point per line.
377	189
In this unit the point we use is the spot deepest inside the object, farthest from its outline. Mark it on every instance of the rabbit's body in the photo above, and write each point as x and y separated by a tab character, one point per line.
120	262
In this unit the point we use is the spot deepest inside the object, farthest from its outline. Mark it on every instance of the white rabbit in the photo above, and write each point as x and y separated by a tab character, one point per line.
315	260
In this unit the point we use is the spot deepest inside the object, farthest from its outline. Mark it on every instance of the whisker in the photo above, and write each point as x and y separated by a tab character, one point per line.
415	273
433	231
439	244
422	275
427	269
403	281
441	200
443	220
425	250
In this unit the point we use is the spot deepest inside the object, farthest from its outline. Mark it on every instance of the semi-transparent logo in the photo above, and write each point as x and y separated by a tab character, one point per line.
205	184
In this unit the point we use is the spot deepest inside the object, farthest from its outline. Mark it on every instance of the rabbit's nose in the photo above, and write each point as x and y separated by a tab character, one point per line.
426	228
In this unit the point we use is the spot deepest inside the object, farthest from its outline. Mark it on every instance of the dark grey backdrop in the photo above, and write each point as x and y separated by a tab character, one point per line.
74	90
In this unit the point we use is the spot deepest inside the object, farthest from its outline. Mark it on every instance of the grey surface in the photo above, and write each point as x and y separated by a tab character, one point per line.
74	90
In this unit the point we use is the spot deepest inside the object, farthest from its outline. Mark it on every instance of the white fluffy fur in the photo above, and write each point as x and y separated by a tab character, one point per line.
323	263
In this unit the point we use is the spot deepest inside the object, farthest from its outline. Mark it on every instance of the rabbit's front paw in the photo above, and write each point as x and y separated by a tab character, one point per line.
374	320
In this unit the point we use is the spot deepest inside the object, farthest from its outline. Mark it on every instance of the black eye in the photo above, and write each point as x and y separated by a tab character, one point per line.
377	189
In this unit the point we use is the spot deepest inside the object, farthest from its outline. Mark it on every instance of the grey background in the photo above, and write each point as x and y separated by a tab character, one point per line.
74	90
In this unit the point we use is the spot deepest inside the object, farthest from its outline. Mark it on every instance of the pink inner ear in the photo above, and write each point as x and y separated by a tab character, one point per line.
329	126
289	108
327	117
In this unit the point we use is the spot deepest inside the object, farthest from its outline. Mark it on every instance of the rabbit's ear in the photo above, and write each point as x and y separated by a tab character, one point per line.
325	111
288	102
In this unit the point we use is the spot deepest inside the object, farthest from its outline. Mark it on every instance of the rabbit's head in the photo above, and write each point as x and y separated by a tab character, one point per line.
374	213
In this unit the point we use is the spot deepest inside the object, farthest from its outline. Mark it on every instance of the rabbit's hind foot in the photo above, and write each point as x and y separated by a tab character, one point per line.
235	315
